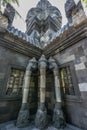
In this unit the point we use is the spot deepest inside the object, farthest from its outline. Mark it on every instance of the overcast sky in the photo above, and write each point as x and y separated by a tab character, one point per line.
25	5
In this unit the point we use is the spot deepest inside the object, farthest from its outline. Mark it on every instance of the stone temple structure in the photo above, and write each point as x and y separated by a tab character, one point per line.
43	72
42	23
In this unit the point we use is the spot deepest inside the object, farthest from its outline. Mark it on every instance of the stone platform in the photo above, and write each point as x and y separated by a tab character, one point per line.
11	126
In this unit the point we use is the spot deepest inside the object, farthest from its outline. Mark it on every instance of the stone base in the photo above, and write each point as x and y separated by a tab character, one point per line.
58	117
23	116
41	118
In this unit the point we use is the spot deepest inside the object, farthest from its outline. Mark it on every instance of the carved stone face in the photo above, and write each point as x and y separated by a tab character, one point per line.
42	62
52	63
32	64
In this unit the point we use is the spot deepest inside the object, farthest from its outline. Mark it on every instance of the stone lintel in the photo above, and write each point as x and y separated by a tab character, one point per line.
70	37
20	46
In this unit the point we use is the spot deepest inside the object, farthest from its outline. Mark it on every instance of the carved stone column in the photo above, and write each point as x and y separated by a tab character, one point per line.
58	118
23	116
41	115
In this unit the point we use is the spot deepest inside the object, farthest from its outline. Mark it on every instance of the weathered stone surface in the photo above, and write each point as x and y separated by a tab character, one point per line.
42	15
51	128
11	126
83	59
83	87
73	106
35	129
41	115
79	17
9	13
69	7
80	66
2	75
58	117
82	75
23	118
41	119
3	23
74	13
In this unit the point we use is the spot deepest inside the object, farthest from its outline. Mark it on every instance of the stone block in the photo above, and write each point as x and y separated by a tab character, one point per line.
63	60
2	75
82	75
83	59
85	52
86	64
83	87
80	66
77	61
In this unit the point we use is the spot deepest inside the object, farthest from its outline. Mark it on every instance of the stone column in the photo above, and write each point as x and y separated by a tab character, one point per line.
58	118
41	115
23	116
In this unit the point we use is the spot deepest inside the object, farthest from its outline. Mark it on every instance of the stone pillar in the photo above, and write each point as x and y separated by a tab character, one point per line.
41	115
23	116
58	118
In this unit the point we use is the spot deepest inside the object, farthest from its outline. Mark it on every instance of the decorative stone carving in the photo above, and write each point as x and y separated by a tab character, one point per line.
42	62
41	115
23	116
78	15
74	13
69	7
9	13
42	18
43	4
3	22
58	118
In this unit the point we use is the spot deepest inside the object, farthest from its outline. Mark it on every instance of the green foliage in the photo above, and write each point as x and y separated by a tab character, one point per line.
85	1
4	2
10	1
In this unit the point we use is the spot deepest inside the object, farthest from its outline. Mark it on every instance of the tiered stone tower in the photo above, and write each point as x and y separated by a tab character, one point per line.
43	22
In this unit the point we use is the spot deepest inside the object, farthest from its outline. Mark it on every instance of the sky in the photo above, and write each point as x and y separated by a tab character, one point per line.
25	5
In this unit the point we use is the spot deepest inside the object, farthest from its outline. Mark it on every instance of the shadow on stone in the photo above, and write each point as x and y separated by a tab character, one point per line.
23	117
58	117
41	119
